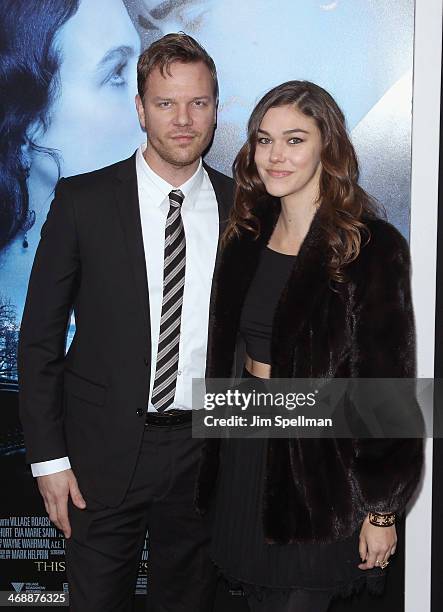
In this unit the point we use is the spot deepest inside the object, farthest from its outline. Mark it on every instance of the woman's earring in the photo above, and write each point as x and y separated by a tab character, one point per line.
26	167
29	222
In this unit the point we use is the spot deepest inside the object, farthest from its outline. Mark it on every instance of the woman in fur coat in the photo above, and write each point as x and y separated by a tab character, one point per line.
316	285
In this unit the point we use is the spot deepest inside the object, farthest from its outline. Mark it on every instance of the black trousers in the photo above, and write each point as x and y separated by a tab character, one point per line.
103	553
283	600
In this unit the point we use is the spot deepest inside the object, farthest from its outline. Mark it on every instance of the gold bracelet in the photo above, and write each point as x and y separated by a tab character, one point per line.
382	520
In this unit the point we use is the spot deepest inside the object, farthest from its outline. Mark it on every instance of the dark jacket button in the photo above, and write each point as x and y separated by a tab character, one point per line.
140	412
146	360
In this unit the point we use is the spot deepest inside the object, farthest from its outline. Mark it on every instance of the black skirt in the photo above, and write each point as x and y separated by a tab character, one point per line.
238	544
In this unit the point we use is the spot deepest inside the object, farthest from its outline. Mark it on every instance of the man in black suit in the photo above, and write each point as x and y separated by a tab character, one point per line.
132	249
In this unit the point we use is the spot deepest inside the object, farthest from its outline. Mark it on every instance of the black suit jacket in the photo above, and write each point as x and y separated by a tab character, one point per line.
90	404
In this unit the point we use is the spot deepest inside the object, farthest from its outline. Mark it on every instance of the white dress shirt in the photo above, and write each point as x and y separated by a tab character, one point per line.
201	224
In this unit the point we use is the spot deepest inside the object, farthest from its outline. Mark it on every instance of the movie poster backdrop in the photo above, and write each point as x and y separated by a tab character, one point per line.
67	87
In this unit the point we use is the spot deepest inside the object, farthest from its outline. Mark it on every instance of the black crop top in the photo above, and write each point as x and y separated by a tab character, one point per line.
261	301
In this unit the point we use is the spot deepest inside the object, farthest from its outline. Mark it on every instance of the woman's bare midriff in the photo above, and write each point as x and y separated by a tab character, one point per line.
257	368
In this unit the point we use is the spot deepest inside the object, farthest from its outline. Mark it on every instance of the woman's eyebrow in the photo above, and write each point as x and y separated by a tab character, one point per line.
116	53
285	132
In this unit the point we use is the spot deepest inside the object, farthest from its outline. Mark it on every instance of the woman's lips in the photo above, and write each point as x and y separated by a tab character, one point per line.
278	173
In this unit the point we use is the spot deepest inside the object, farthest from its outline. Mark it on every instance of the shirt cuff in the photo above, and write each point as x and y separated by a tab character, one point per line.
44	468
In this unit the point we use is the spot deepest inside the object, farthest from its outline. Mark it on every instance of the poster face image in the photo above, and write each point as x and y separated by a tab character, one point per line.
83	117
67	111
68	85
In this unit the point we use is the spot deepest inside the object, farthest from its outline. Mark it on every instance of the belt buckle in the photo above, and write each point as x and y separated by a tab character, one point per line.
172	412
164	419
169	418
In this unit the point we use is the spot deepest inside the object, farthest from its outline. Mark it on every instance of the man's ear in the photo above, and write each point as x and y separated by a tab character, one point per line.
215	114
140	111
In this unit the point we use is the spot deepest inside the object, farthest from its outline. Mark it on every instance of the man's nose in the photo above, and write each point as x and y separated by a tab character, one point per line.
183	116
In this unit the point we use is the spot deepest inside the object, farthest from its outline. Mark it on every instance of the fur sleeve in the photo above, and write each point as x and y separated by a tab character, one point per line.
385	472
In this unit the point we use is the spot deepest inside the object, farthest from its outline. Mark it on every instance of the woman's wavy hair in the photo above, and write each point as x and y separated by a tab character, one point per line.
344	205
29	64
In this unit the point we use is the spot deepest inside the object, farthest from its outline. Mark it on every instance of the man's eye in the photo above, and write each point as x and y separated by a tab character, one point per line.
164	104
200	103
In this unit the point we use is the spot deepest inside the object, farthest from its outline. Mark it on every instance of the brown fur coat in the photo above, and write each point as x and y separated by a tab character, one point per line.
321	489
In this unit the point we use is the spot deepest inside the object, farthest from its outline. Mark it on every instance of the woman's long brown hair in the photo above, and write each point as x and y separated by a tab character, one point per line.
344	204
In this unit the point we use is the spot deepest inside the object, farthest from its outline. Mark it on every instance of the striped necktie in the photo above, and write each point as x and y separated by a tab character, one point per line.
165	379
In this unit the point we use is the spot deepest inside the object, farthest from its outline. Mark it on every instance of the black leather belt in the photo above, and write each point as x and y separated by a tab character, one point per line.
168	418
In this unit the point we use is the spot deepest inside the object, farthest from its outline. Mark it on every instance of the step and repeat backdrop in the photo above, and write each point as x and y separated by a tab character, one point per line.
83	117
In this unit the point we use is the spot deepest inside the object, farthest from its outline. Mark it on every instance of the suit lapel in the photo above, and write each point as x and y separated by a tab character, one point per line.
129	213
223	189
224	195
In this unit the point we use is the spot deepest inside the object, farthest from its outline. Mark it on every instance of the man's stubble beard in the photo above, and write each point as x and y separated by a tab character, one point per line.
191	154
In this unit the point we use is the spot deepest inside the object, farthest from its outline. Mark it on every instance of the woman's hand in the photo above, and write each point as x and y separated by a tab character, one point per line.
376	544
